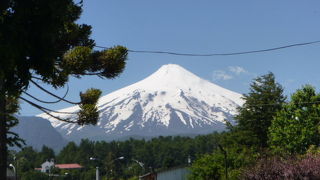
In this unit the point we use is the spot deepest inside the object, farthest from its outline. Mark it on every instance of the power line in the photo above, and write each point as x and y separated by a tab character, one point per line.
219	54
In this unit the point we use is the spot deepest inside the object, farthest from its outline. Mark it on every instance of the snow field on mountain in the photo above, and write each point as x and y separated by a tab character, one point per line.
172	96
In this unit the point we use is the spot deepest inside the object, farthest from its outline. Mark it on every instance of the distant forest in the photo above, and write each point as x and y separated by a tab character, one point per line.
155	154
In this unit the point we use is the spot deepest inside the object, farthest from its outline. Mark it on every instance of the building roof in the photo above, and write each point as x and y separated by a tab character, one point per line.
149	176
68	166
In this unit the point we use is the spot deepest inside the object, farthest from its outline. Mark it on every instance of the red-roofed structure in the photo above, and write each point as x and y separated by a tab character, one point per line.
48	165
68	166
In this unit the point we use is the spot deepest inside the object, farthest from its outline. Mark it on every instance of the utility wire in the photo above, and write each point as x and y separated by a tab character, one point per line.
219	54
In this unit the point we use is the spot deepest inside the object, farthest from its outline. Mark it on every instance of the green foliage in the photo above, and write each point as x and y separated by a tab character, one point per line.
26	160
212	166
208	167
313	149
68	153
91	96
88	175
133	169
32	175
46	153
134	178
296	126
244	142
88	113
77	60
261	103
110	62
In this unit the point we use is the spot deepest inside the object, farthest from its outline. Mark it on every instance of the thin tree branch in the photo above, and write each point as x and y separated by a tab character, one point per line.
50	93
46	112
44	108
37	78
47	102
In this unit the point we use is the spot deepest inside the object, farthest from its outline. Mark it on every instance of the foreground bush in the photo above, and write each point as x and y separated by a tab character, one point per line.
306	167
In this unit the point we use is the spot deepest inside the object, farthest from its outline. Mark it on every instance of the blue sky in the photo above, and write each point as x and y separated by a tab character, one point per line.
205	26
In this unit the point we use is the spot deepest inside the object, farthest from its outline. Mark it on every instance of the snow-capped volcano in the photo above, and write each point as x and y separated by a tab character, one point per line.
171	101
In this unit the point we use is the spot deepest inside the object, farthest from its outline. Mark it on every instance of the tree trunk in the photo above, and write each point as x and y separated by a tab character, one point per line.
3	134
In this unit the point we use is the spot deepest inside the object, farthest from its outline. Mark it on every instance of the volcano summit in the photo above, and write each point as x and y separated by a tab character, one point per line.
171	101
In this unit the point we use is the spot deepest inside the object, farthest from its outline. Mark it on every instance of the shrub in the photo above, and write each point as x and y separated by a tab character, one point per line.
304	167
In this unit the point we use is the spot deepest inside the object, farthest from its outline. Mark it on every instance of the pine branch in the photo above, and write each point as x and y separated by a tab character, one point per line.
46	111
50	93
37	78
47	102
44	108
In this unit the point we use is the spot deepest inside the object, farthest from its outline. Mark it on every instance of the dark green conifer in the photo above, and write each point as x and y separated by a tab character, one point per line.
261	103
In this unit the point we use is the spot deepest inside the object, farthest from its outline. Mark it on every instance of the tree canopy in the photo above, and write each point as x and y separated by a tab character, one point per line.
263	100
296	126
40	42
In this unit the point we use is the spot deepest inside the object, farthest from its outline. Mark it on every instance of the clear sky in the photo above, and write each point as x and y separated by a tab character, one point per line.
205	26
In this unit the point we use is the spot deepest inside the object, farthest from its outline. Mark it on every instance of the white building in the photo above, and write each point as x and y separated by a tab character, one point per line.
47	166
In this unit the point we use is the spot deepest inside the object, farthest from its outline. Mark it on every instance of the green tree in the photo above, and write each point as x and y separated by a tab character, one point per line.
88	175
208	167
212	166
68	153
261	103
25	160
46	153
111	165
40	41
85	151
296	126
31	175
